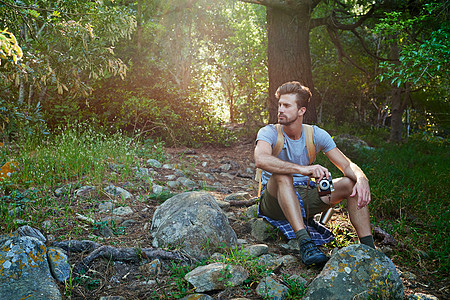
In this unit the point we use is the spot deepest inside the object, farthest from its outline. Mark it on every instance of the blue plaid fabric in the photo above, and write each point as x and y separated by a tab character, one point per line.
319	233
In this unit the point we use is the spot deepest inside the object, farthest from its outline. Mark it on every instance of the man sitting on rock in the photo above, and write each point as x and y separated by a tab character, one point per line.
289	199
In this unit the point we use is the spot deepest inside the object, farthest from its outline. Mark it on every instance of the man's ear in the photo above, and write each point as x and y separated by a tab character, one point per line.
301	111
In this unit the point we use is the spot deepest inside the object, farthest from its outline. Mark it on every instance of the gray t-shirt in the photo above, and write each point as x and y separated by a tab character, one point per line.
295	150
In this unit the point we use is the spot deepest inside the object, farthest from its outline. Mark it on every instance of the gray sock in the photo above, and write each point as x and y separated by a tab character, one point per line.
368	240
301	235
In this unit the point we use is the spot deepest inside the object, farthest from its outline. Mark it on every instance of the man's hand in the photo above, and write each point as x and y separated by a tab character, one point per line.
362	189
315	171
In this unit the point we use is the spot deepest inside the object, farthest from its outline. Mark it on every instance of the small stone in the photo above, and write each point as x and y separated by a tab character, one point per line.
128	223
115	191
85	219
143	173
408	275
153	163
104	231
252	211
197	297
150	282
47	224
59	266
241	242
286	260
257	250
239	196
157	189
227	175
30	231
85	191
122	211
105	207
173	184
421	296
225	167
261	229
187	182
269	288
206	176
151	268
225	206
299	279
112	220
267	260
112	298
15	211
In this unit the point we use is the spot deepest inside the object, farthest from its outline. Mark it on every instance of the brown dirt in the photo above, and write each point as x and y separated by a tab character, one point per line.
118	279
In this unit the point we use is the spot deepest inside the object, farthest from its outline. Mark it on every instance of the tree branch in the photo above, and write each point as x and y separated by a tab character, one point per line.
341	53
363	44
17	7
335	23
318	22
283	5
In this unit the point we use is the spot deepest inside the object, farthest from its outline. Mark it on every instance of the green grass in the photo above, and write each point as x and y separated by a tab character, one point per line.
409	184
78	155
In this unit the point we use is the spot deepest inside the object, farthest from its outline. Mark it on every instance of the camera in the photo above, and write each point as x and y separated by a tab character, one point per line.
325	186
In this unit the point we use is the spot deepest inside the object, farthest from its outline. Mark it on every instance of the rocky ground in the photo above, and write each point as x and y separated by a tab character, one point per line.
226	172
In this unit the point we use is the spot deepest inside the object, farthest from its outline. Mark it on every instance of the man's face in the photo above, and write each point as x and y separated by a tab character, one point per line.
288	112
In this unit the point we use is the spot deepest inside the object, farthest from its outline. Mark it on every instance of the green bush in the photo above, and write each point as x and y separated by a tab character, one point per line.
21	122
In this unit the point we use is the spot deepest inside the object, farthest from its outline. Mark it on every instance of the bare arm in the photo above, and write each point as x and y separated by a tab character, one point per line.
352	171
266	161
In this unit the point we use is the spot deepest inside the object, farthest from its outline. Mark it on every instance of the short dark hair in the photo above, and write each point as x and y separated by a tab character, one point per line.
303	95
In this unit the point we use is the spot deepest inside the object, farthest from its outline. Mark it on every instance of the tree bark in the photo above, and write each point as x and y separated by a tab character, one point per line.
289	55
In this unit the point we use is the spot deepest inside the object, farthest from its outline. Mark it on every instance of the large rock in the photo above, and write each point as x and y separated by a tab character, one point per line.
193	221
24	269
357	272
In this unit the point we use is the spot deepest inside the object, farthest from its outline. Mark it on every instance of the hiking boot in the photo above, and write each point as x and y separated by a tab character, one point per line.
310	254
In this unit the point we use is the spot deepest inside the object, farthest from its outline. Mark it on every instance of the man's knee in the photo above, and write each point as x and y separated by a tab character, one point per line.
279	181
343	189
282	179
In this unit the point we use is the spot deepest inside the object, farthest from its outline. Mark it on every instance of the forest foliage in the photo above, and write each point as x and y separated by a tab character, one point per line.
128	65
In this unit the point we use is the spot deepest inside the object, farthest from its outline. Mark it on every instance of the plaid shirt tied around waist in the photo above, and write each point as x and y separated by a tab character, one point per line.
319	233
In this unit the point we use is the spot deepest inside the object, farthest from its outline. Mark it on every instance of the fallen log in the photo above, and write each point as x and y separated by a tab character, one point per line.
130	255
386	238
249	202
76	246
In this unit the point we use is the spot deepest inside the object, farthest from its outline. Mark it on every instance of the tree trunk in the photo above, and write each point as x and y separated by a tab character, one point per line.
22	87
139	26
398	102
289	56
396	115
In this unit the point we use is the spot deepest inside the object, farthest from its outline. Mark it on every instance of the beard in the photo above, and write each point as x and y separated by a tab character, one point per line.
286	121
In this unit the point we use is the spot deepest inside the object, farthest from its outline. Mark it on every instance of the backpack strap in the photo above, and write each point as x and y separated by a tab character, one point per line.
280	141
276	150
310	148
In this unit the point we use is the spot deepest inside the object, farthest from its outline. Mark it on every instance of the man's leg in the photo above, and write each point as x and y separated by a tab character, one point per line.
359	218
282	188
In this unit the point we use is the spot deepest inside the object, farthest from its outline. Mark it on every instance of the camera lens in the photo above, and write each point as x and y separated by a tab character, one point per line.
324	184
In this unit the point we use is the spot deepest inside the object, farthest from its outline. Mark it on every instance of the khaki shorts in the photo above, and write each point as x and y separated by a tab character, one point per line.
313	204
